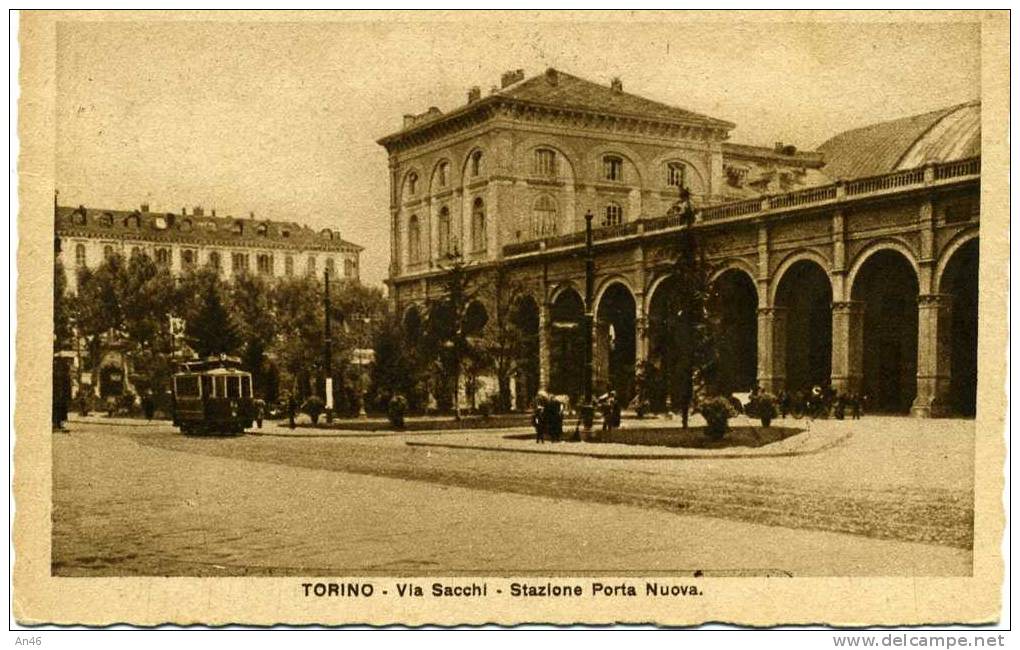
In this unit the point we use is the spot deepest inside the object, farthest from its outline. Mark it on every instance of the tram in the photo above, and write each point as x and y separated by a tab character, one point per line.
213	396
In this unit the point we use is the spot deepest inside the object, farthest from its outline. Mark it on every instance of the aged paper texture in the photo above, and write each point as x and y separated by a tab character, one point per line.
499	317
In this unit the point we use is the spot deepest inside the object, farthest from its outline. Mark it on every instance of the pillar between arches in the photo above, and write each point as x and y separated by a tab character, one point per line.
544	334
772	348
847	346
934	331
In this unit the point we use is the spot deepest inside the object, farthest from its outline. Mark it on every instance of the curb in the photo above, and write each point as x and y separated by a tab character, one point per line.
616	456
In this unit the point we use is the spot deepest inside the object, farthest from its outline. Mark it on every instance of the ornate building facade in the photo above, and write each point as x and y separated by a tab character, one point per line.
854	265
181	241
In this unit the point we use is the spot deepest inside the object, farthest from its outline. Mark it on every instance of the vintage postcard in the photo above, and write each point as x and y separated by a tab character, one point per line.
460	318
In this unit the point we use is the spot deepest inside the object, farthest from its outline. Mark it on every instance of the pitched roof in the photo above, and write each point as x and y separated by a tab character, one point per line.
100	223
556	88
947	134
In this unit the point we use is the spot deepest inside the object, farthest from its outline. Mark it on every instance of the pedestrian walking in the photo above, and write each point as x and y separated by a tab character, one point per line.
260	411
148	404
538	418
291	410
554	418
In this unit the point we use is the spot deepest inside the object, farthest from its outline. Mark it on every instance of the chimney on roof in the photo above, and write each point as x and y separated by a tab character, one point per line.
552	76
214	212
408	120
779	147
251	215
511	77
198	211
145	207
474	94
184	212
616	84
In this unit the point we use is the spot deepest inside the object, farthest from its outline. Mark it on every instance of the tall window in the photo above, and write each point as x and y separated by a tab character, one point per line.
676	174
310	268
545	163
288	265
239	263
107	252
543	217
612	168
412	183
413	239
612	215
135	252
330	267
443	245
187	259
264	263
79	255
478	238
214	261
349	269
163	256
442	173
476	163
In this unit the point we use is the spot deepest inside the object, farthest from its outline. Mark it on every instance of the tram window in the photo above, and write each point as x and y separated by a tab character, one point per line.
245	386
233	387
207	385
221	386
187	386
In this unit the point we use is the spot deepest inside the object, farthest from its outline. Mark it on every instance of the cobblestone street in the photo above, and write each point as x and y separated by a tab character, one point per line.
141	499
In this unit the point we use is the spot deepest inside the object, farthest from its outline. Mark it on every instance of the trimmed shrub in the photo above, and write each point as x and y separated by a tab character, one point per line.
314	406
395	411
717	411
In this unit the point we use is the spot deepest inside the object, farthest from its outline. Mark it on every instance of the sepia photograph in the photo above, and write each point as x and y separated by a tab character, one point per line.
552	317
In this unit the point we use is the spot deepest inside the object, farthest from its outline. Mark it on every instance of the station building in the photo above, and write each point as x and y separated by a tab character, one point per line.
853	265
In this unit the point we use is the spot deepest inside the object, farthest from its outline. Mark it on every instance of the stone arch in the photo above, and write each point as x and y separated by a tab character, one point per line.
605	284
416	173
738	265
451	180
559	289
657	170
615	339
802	321
465	168
476	317
526	317
594	162
412	323
523	159
807	254
885	292
957	348
736	303
954	244
566	342
880	245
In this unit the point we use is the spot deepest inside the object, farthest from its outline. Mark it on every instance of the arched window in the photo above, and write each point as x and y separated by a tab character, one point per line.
263	229
676	174
349	269
476	163
238	227
544	217
107	252
188	258
330	266
79	255
612	168
412	183
106	220
214	261
442	173
413	239
264	263
443	234
612	215
163	256
288	265
545	163
310	268
478	238
136	252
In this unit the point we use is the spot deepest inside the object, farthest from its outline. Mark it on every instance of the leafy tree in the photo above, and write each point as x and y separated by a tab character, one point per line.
210	327
298	345
250	300
509	348
63	308
693	322
449	331
397	370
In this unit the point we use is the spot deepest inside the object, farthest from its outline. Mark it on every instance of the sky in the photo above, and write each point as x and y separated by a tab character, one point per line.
281	118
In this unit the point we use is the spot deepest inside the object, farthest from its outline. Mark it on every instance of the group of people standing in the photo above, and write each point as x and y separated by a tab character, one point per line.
550	410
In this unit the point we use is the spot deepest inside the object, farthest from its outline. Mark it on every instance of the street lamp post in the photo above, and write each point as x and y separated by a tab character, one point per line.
588	409
328	352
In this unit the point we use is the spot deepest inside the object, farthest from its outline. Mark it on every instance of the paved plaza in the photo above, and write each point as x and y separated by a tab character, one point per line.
879	496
